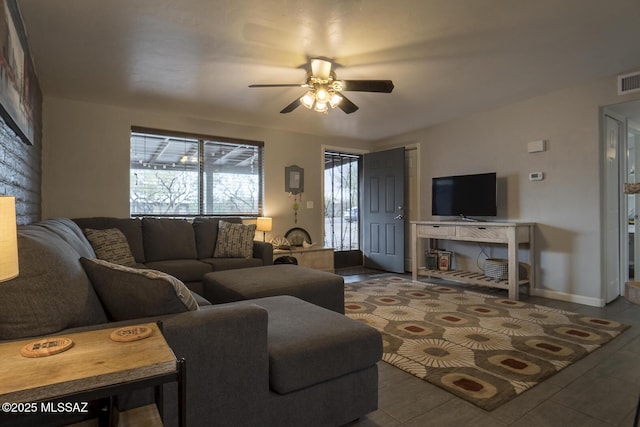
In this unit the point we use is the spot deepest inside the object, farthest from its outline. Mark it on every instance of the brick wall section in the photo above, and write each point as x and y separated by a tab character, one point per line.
20	174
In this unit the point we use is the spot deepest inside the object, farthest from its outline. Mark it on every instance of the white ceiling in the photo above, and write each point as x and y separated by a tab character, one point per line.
447	58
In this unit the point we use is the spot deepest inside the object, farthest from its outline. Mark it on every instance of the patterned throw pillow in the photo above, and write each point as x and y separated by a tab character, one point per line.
132	293
111	245
234	240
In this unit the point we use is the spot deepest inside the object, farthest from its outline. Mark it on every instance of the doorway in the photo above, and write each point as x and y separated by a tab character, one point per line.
632	196
342	212
342	183
621	207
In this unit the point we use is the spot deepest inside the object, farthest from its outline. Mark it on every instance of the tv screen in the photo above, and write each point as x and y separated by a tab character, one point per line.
464	195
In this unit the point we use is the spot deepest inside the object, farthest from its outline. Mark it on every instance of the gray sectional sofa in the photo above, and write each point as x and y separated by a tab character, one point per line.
179	247
276	361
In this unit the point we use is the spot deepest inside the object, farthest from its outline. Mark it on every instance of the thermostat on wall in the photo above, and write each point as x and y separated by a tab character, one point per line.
536	176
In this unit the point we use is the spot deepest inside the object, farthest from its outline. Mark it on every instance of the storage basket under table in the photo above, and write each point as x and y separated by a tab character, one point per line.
497	268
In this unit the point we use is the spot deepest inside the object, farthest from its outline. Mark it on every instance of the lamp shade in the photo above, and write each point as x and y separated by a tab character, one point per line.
263	224
8	239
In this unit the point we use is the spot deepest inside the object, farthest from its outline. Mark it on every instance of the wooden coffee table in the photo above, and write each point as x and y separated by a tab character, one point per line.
95	367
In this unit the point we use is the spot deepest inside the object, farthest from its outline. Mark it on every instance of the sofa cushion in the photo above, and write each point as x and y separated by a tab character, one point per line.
130	293
309	345
68	231
130	227
200	300
168	239
187	270
234	240
111	245
206	232
221	264
52	291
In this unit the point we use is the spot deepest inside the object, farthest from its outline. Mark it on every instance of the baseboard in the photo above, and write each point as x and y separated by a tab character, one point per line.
563	296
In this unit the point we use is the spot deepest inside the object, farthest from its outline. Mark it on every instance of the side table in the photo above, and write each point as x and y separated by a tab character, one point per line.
316	257
94	368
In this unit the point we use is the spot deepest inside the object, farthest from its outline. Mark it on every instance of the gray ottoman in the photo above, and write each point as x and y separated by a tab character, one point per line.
309	345
314	286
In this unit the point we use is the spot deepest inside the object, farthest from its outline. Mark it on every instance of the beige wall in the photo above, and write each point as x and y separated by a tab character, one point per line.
566	204
86	161
86	152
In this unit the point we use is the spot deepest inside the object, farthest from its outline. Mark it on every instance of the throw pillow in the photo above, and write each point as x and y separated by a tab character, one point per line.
111	245
132	293
234	240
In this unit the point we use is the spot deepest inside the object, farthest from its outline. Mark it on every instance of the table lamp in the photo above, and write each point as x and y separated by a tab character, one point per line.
8	239
263	224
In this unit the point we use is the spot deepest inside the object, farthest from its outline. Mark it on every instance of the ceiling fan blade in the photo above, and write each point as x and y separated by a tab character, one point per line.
347	106
280	85
289	108
384	86
320	68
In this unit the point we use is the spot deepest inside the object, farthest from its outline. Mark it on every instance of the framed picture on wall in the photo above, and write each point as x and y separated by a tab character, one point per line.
20	96
293	179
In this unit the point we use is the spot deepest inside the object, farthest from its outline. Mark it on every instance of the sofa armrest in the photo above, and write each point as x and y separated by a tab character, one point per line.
264	251
227	365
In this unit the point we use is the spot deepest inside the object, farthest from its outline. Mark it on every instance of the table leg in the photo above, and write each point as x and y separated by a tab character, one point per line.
182	392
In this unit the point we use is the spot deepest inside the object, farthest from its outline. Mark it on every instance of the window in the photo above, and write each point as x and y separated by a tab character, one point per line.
341	196
176	174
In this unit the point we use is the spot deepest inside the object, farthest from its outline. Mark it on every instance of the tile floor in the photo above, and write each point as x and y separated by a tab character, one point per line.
602	389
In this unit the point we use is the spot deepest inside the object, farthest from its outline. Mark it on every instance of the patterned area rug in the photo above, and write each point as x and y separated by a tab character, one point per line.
482	348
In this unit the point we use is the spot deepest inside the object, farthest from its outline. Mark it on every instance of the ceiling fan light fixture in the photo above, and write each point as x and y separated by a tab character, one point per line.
320	107
308	99
322	94
335	99
324	90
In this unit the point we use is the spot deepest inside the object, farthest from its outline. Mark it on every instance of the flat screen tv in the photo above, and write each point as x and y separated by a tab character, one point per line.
464	195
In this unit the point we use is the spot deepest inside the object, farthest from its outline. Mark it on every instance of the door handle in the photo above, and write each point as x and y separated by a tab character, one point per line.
399	217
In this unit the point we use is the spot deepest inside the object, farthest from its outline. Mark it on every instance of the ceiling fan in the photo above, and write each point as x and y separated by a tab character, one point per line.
325	90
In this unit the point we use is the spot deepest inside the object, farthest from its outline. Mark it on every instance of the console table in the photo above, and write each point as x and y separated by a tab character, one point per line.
94	368
510	233
316	257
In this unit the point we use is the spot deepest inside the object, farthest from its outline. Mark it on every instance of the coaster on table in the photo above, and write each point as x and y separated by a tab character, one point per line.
131	333
46	347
